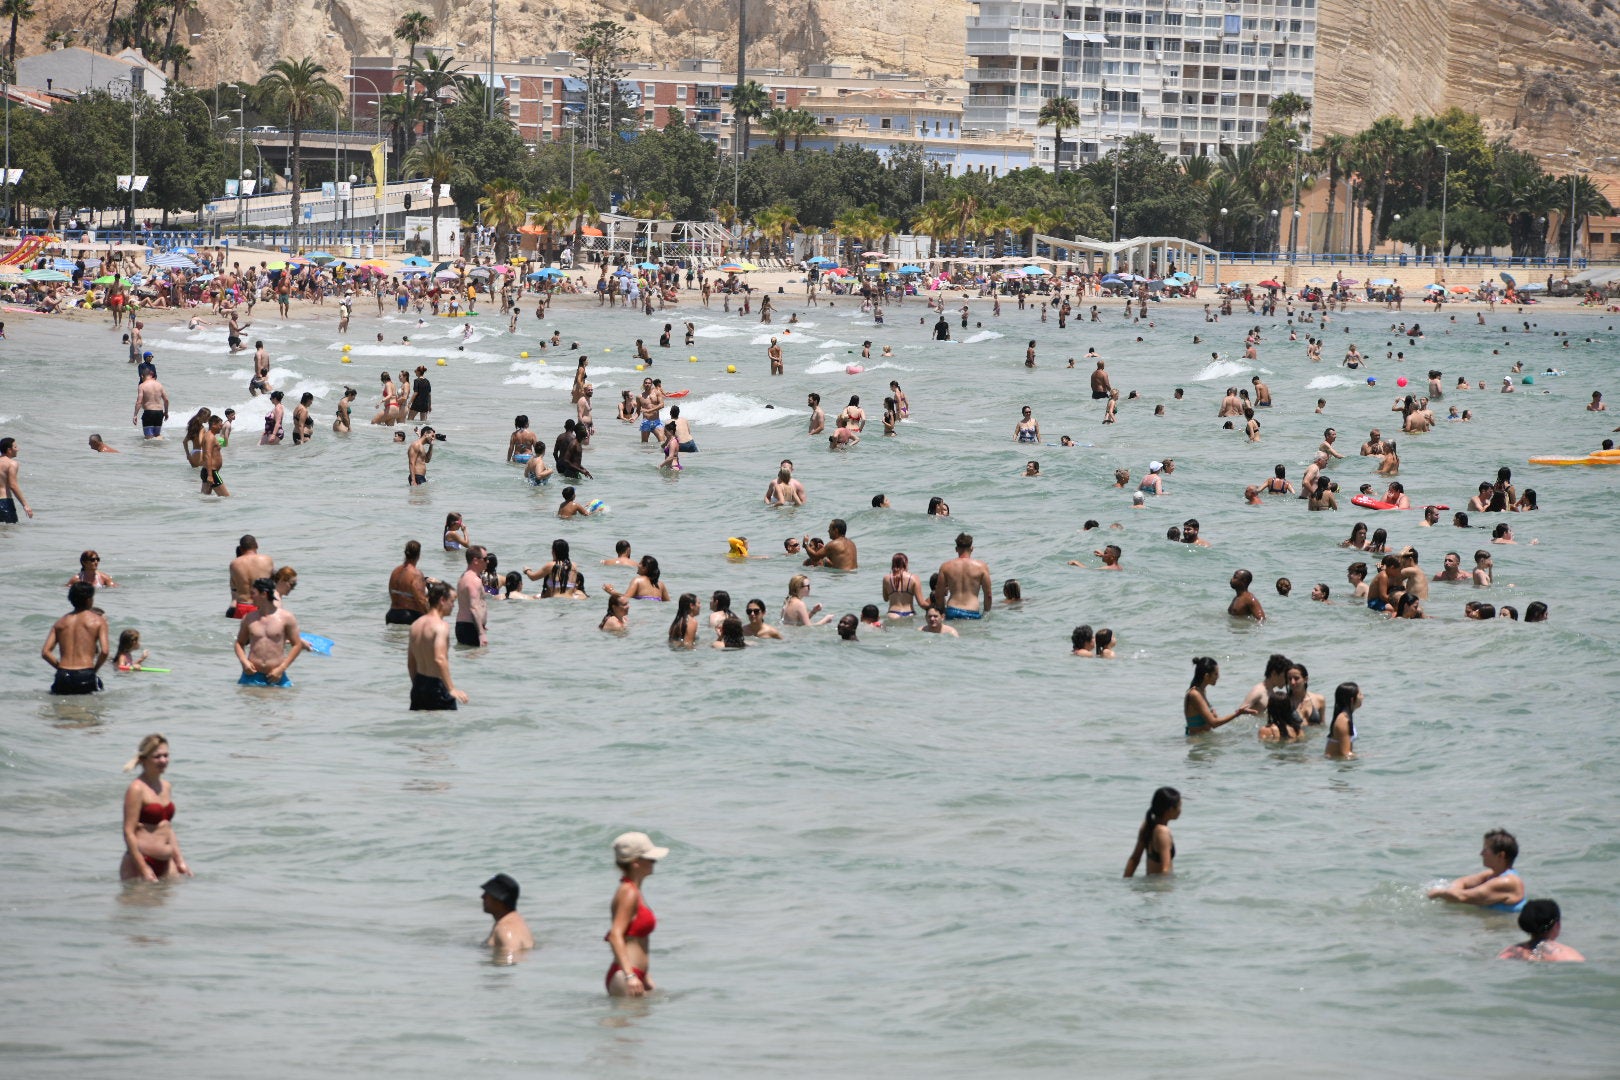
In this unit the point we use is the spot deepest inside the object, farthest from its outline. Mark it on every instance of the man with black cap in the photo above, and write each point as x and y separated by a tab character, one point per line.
510	934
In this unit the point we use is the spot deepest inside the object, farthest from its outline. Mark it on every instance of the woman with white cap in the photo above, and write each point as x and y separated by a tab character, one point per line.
1154	480
633	920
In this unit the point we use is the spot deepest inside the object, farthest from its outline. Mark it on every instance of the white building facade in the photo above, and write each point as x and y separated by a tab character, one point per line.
1195	74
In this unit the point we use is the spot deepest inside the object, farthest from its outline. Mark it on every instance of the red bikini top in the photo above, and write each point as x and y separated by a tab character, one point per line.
156	813
645	922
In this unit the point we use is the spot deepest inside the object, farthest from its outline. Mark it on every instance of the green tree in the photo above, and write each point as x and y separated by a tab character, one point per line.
604	48
749	102
435	161
777	222
1058	113
88	138
490	148
554	211
503	209
181	149
433	74
299	89
412	27
676	161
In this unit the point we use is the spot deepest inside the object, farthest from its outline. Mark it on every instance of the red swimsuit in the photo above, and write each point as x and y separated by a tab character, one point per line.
156	814
643	923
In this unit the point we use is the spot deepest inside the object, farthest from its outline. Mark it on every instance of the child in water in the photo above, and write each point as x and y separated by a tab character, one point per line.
128	642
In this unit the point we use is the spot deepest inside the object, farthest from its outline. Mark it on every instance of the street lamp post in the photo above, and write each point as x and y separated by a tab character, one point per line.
1570	262
1445	197
1115	208
1293	229
349	208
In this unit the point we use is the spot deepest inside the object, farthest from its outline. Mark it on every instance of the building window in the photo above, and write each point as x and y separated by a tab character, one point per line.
680	93
885	123
1597	238
545	86
781	97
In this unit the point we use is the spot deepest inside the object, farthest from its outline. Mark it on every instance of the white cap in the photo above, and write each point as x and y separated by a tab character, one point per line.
1139	497
636	845
1155	466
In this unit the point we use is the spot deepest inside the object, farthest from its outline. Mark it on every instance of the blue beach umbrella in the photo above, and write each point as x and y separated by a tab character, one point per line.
320	256
417	260
909	269
819	260
1382	281
1035	271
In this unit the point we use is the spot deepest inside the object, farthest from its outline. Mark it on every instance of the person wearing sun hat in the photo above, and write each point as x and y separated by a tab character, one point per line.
510	935
632	920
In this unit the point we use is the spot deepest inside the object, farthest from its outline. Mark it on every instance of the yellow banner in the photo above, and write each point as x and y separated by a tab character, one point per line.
379	165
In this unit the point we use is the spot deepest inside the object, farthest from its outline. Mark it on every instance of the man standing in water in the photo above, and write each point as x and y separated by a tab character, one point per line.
213	456
1245	605
80	640
818	420
472	619
267	642
417	457
407	590
151	407
964	589
247	567
10	494
428	657
510	934
1101	388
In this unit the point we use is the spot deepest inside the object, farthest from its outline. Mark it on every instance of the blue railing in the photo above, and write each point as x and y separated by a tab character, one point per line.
1322	258
253	236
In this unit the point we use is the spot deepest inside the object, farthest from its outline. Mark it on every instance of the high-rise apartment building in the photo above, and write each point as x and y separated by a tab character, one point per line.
1196	74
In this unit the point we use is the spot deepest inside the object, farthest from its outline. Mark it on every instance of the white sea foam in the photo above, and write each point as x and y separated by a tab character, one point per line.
982	335
732	411
1221	369
718	330
1329	382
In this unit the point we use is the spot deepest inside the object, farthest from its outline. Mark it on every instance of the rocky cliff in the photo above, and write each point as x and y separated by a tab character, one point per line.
1546	72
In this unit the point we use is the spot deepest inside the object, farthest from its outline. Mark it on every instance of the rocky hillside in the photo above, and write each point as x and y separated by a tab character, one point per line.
1545	71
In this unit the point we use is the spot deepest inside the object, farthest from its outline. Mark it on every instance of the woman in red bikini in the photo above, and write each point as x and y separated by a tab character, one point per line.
633	920
153	850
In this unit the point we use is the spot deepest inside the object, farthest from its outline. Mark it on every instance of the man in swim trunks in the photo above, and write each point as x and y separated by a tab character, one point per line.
1498	887
10	494
1381	590
838	553
260	382
100	447
683	431
151	407
80	641
1101	388
247	567
472	616
963	589
212	456
1452	570
427	659
1245	605
651	403
1262	393
818	420
267	642
407	589
417	457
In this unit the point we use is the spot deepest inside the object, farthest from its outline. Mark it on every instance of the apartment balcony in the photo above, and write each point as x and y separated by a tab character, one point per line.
991	75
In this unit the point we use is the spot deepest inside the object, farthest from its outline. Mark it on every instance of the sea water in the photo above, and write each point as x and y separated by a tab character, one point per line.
901	855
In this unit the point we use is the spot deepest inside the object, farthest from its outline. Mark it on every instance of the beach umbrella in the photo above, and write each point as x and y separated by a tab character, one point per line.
205	277
839	271
909	269
1237	284
1381	281
1532	286
819	260
46	275
1181	277
480	272
171	262
1317	281
275	265
1013	274
322	257
1349	281
1113	279
1509	279
730	268
1036	271
1461	289
1270	283
647	266
872	254
447	275
1434	288
183	251
550	272
417	260
105	279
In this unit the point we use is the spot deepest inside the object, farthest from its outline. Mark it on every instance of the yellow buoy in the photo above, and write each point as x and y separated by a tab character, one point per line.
523	355
641	367
441	361
607	350
346	359
731	369
692	358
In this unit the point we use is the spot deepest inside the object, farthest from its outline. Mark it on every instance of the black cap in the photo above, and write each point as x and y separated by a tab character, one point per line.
503	889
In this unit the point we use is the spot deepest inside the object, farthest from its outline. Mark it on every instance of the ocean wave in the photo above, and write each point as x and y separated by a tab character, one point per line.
540	378
717	330
826	365
732	411
1221	369
982	335
1329	382
834	343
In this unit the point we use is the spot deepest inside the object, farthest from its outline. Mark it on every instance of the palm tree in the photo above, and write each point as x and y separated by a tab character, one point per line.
935	219
502	209
19	11
748	102
777	221
298	89
433	74
779	123
434	161
964	213
412	27
1058	113
804	123
1589	202
1379	147
1332	156
394	111
553	212
179	56
177	8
